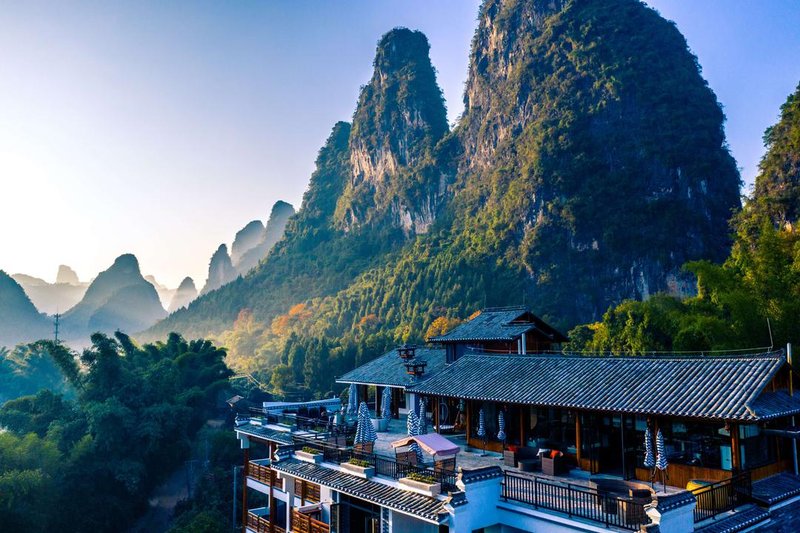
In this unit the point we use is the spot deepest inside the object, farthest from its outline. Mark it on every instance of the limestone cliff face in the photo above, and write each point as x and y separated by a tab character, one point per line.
67	275
118	298
245	239
20	321
271	234
589	134
220	270
777	187
184	295
398	121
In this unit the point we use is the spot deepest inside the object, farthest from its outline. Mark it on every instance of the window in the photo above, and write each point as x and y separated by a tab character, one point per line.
757	449
691	443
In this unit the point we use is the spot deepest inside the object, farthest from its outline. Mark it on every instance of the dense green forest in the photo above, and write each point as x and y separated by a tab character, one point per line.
88	461
588	166
759	282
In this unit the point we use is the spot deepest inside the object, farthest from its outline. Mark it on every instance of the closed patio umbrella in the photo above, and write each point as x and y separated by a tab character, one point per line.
501	424
482	428
649	460
423	417
386	403
412	426
365	431
352	400
661	457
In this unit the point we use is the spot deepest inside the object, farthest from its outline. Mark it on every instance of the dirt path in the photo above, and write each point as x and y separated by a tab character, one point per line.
162	503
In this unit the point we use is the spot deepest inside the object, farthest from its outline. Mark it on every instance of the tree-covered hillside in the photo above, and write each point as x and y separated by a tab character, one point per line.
90	464
750	301
589	165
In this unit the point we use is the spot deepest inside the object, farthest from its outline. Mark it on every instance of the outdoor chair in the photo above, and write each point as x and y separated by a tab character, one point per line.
553	466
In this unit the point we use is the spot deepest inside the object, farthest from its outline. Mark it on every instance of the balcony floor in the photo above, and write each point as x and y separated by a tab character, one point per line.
470	457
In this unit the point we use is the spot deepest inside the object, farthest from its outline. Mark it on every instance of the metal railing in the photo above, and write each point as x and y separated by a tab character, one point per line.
384	465
722	496
323	428
576	501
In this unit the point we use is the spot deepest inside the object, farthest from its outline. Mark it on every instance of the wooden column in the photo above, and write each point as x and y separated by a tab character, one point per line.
468	402
273	508
244	487
578	438
522	409
736	458
436	415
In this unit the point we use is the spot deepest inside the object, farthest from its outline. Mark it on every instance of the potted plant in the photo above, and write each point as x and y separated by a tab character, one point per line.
421	483
309	455
359	467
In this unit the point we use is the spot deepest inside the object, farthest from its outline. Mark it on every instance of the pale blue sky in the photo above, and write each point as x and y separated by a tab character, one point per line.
161	128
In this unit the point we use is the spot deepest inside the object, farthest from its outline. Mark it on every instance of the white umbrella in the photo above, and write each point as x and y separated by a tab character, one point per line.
423	417
501	423
412	425
386	403
649	460
482	427
365	431
661	457
352	400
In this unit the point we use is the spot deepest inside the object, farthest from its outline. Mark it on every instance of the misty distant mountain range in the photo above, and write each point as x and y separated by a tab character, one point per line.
120	297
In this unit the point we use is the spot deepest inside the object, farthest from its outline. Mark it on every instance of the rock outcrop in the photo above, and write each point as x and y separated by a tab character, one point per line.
119	298
184	295
56	297
777	187
220	270
272	233
246	239
67	275
20	321
398	121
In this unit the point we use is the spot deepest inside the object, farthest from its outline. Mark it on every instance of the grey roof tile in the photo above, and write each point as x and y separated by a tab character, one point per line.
500	324
700	386
265	433
389	369
401	500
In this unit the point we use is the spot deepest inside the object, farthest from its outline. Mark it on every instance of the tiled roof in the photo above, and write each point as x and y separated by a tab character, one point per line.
389	369
265	433
704	387
775	489
401	500
500	324
742	520
775	404
473	475
668	502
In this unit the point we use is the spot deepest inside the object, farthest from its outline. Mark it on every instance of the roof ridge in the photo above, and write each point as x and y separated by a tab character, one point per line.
775	354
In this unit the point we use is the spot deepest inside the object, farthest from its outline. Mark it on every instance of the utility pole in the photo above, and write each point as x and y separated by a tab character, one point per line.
55	324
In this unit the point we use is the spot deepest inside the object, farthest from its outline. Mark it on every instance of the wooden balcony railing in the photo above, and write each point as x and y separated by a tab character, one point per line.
302	523
264	474
311	490
259	524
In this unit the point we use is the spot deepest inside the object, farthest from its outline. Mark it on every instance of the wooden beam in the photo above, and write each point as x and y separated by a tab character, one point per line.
736	459
273	507
578	436
244	488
